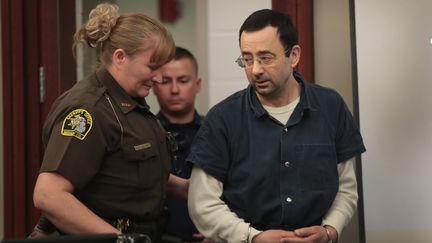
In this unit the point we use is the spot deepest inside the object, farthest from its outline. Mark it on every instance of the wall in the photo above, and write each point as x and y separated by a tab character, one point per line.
183	29
394	77
224	77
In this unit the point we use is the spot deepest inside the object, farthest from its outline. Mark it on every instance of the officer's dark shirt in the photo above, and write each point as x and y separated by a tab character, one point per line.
278	175
179	222
118	163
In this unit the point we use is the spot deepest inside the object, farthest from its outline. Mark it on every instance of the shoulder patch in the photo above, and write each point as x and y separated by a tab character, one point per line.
77	123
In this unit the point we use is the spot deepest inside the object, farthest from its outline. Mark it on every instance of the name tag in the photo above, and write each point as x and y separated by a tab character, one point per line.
142	146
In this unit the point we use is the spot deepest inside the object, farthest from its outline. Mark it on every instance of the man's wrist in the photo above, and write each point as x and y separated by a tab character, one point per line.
332	234
254	233
246	238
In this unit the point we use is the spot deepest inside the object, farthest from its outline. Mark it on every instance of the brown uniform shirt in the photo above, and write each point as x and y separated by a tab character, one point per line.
110	147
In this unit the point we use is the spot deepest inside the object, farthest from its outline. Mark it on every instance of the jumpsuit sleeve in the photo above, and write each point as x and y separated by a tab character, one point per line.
345	203
210	213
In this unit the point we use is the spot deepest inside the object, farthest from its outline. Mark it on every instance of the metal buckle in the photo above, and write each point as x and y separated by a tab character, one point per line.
171	142
122	224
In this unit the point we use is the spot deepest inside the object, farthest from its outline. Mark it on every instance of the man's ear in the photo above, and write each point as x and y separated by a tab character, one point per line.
295	55
198	85
118	57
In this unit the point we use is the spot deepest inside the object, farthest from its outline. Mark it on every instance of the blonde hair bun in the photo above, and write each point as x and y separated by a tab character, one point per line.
107	31
98	28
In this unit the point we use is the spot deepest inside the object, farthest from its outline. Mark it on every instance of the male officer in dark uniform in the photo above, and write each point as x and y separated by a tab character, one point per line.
176	97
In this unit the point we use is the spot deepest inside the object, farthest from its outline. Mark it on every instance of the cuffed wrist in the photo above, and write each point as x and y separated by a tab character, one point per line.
253	233
332	234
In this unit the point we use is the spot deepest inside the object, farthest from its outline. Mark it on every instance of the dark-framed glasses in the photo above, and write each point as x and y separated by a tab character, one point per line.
266	59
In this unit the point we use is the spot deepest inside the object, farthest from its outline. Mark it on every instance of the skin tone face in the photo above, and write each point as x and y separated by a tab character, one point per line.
176	94
274	84
133	73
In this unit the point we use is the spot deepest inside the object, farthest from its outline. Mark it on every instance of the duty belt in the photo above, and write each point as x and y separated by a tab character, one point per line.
122	224
153	229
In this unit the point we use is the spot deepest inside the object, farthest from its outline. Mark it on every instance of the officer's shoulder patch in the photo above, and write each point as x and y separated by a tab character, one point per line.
77	123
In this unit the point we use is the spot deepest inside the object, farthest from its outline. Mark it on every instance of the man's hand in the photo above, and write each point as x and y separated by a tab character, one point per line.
274	236
38	233
313	234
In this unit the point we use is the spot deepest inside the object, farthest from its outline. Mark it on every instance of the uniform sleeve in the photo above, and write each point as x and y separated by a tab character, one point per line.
75	150
345	203
211	215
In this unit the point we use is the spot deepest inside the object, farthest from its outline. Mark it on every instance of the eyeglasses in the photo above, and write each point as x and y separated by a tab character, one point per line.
246	61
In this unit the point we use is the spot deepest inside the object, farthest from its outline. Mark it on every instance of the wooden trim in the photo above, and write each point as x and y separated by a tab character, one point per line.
7	111
301	13
49	34
30	39
66	19
31	118
286	6
59	63
306	38
13	60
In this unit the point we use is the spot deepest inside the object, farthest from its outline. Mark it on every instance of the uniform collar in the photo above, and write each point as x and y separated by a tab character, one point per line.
304	103
123	100
197	120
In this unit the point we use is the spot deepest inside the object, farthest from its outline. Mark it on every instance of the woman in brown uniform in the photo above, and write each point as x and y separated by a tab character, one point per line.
106	163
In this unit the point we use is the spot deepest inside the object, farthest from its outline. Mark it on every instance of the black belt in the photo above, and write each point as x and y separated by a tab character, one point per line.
153	229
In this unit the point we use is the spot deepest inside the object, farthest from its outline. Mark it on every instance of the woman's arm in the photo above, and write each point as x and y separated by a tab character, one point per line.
53	196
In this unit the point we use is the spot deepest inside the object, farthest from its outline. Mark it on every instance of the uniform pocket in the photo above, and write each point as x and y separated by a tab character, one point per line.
143	155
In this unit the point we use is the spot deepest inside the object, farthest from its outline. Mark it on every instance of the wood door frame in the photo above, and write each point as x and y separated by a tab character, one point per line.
301	13
30	40
20	63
